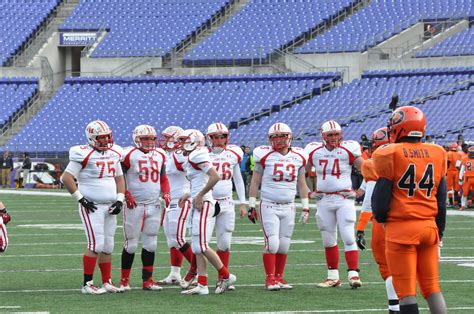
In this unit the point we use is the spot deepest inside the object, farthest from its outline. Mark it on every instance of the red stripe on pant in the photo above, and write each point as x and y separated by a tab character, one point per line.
89	230
3	242
181	221
202	226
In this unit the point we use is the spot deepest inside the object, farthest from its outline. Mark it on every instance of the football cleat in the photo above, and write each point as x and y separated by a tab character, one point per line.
199	290
329	283
231	288
271	284
110	287
283	284
224	284
89	288
462	208
124	285
187	280
355	282
172	279
151	285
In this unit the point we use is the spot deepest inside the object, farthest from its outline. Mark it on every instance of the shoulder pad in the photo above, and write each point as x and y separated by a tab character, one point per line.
353	147
117	149
312	146
79	153
126	151
260	151
179	157
199	156
161	151
301	152
236	150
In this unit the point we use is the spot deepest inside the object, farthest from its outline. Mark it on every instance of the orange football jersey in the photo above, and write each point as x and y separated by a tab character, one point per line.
415	170
453	157
368	170
468	164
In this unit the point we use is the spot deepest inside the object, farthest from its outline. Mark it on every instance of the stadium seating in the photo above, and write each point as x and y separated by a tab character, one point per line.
14	95
141	27
19	20
461	44
262	26
381	20
362	105
190	102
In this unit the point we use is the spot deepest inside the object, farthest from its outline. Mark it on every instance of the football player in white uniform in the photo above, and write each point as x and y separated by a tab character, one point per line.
226	160
333	161
203	178
100	192
175	218
145	176
280	169
4	219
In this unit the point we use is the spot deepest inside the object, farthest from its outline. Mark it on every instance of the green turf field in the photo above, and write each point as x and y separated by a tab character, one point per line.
42	269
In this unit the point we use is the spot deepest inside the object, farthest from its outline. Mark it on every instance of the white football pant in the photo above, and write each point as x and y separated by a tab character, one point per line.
225	224
278	223
175	222
99	227
144	220
202	227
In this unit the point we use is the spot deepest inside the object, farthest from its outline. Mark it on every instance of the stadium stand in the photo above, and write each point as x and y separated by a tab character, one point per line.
262	26
186	101
361	106
19	20
381	20
15	93
461	44
142	28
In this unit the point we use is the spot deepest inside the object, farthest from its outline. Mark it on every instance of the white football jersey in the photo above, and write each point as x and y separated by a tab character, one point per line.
143	174
280	172
197	166
333	168
224	163
96	180
179	184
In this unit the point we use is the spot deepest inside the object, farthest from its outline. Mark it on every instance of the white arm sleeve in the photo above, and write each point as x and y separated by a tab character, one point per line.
119	171
74	168
239	184
461	173
363	185
458	163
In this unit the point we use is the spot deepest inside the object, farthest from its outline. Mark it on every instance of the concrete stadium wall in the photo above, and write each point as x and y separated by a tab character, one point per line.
128	66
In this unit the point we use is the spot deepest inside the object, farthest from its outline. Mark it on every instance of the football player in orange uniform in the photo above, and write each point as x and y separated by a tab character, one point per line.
466	176
453	174
379	138
410	198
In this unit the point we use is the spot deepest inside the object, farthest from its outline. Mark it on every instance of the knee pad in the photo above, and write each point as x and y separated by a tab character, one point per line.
197	249
284	246
329	238
172	243
131	245
223	241
273	244
108	245
348	236
149	243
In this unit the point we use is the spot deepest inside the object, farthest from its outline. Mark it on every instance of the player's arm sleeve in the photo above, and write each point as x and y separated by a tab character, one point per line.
441	200
74	168
258	167
119	171
239	184
461	173
381	198
363	185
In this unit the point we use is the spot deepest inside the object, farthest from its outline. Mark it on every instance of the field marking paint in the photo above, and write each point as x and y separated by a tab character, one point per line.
351	310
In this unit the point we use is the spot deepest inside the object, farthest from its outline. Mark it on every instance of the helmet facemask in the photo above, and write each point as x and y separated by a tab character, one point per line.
280	141
332	139
218	142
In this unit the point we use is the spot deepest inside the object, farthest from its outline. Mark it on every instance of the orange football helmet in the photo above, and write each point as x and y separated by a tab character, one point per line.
379	138
406	121
453	147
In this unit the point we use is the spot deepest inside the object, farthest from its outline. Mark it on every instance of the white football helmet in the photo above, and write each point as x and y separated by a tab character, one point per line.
170	137
144	137
99	135
189	140
280	136
217	136
331	133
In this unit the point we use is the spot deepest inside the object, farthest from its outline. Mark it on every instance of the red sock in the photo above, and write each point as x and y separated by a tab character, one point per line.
352	259
189	255
224	256
269	263
193	266
280	262
223	273
125	273
332	257
202	280
105	269
89	264
176	257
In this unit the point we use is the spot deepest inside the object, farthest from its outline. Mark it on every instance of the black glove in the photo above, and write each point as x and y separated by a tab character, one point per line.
116	208
88	205
217	209
360	240
252	214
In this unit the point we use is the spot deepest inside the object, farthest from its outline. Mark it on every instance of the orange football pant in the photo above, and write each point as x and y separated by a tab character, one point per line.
467	186
452	180
378	248
407	262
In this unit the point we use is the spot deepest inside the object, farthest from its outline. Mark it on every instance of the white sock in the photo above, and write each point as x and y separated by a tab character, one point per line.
333	274
463	201
392	295
176	271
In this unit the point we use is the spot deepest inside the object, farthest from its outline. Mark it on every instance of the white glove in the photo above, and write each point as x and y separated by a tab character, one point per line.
304	216
315	195
460	182
440	245
351	195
